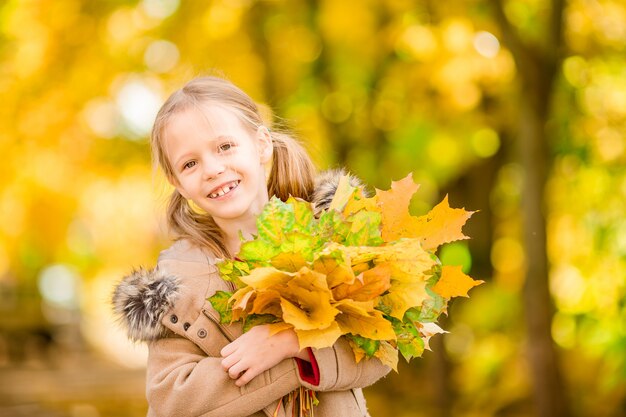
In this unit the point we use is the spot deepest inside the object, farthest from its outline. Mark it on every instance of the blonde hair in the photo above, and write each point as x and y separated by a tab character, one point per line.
292	172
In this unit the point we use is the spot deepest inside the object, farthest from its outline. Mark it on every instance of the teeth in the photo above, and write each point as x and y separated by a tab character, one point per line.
224	189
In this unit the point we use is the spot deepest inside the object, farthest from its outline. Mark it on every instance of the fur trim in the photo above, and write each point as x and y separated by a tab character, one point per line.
326	185
141	301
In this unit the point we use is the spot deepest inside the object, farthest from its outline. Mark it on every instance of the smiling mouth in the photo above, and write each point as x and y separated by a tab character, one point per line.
225	189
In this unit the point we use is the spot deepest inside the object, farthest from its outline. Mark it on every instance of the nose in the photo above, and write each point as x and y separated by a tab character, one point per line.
212	167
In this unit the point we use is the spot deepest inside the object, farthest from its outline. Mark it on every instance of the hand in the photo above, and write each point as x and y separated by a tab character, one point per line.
256	351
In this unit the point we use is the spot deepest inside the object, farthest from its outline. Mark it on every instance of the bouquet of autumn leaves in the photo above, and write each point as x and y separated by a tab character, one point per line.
364	269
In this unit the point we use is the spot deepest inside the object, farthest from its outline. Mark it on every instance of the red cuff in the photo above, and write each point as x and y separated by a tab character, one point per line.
309	371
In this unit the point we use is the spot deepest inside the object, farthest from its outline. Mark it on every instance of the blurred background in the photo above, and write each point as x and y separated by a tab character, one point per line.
516	108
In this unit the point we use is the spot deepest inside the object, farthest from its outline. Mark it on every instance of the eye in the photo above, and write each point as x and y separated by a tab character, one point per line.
226	146
189	165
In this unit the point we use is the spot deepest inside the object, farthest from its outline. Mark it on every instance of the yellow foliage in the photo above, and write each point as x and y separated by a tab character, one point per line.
454	283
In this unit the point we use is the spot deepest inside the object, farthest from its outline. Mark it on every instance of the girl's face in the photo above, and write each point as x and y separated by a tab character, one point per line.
218	162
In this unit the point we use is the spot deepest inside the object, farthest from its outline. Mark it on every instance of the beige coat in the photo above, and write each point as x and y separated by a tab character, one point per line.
167	308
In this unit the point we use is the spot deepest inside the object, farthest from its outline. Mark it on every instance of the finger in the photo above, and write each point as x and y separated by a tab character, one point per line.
229	361
235	371
246	377
229	349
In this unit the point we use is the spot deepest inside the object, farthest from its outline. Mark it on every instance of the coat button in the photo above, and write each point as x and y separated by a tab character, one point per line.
201	333
174	319
186	326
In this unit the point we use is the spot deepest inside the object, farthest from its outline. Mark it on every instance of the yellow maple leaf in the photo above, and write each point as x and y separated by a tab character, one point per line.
313	312
404	295
388	355
360	318
288	261
319	338
336	267
394	206
267	302
410	267
441	225
360	268
278	327
406	257
406	254
370	285
359	353
454	283
358	201
240	300
305	301
342	194
266	277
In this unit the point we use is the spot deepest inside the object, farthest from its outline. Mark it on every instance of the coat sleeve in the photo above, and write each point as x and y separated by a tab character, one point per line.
338	370
183	381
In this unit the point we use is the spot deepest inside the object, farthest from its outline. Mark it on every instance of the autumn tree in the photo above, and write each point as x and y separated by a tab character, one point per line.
537	65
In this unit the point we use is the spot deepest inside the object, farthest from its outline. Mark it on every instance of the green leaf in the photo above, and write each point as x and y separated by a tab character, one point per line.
386	309
232	270
219	301
301	243
275	219
432	307
257	319
409	342
258	250
364	229
333	227
412	348
303	215
288	261
369	346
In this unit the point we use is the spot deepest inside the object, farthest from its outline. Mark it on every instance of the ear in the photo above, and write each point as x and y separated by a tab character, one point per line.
264	144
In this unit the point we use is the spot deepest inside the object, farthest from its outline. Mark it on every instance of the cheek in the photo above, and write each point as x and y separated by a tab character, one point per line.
185	183
251	158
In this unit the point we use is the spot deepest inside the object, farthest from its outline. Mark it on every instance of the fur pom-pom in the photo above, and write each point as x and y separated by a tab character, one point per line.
326	185
141	301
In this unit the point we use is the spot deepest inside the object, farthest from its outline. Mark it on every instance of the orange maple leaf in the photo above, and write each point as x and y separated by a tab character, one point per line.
441	225
396	220
454	283
371	284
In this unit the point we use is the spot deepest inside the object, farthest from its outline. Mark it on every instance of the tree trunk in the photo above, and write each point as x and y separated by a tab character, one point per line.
549	392
537	66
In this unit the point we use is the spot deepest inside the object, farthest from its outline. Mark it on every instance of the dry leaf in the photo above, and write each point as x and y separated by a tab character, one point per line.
441	225
360	318
427	330
359	202
388	355
394	207
454	283
319	338
371	284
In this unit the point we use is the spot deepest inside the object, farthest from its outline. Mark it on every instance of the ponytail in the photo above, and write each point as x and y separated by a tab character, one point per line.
201	229
292	172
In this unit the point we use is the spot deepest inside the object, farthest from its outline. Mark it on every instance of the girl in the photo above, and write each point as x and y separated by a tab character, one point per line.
211	142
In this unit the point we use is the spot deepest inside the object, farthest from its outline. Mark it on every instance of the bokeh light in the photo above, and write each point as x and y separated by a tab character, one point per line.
385	88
